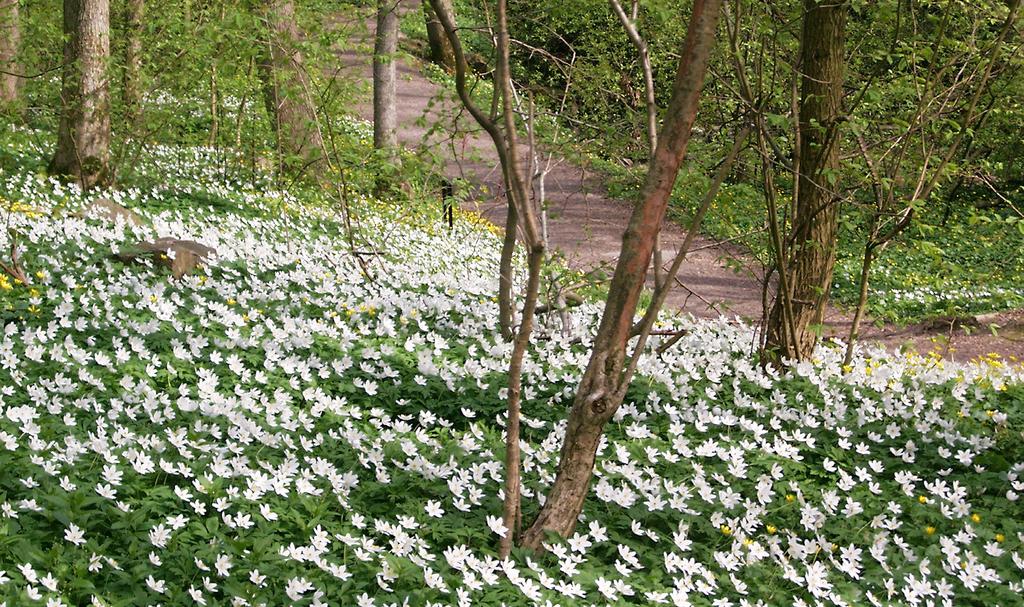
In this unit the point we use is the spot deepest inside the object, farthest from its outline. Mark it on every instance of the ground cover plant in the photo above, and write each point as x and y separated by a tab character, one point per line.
289	426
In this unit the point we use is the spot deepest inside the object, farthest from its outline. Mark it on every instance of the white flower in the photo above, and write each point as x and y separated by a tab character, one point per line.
74	534
297	587
159	535
158	586
433	509
223	565
497	526
49	582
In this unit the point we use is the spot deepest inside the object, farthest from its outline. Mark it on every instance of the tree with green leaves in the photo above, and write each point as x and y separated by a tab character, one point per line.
288	92
611	368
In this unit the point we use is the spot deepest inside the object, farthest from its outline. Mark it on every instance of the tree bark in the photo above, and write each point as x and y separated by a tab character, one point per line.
132	94
811	258
604	384
440	49
83	136
385	116
506	302
522	215
10	37
629	23
288	92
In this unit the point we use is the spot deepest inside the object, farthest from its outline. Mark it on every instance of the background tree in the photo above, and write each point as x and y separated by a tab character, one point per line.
901	183
439	48
83	137
135	11
288	92
385	45
807	258
10	37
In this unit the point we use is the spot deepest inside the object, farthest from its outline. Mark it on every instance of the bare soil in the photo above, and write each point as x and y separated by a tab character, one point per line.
585	224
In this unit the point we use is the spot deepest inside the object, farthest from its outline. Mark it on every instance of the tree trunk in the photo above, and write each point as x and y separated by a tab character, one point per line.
440	48
385	45
10	36
650	100
132	95
812	251
288	92
862	301
511	506
83	137
522	215
214	107
604	384
506	303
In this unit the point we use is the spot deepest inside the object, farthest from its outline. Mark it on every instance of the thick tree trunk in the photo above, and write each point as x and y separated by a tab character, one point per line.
812	244
385	45
440	49
288	92
10	37
604	382
132	95
83	137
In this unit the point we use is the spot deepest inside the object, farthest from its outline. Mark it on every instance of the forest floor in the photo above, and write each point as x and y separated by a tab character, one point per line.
585	224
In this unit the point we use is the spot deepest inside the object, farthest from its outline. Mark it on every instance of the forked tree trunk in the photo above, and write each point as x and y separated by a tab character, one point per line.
132	94
440	49
10	36
288	92
385	45
604	382
522	215
812	245
83	136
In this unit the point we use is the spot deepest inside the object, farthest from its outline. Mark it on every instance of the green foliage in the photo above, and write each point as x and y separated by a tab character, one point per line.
962	253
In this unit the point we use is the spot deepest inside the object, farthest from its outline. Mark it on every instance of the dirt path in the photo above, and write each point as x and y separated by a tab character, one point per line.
585	224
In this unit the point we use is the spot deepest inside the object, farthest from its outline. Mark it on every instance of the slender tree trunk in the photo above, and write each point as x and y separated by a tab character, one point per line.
132	94
506	308
522	215
604	382
862	300
10	37
440	49
812	255
83	136
385	46
214	106
526	213
629	23
511	506
288	92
